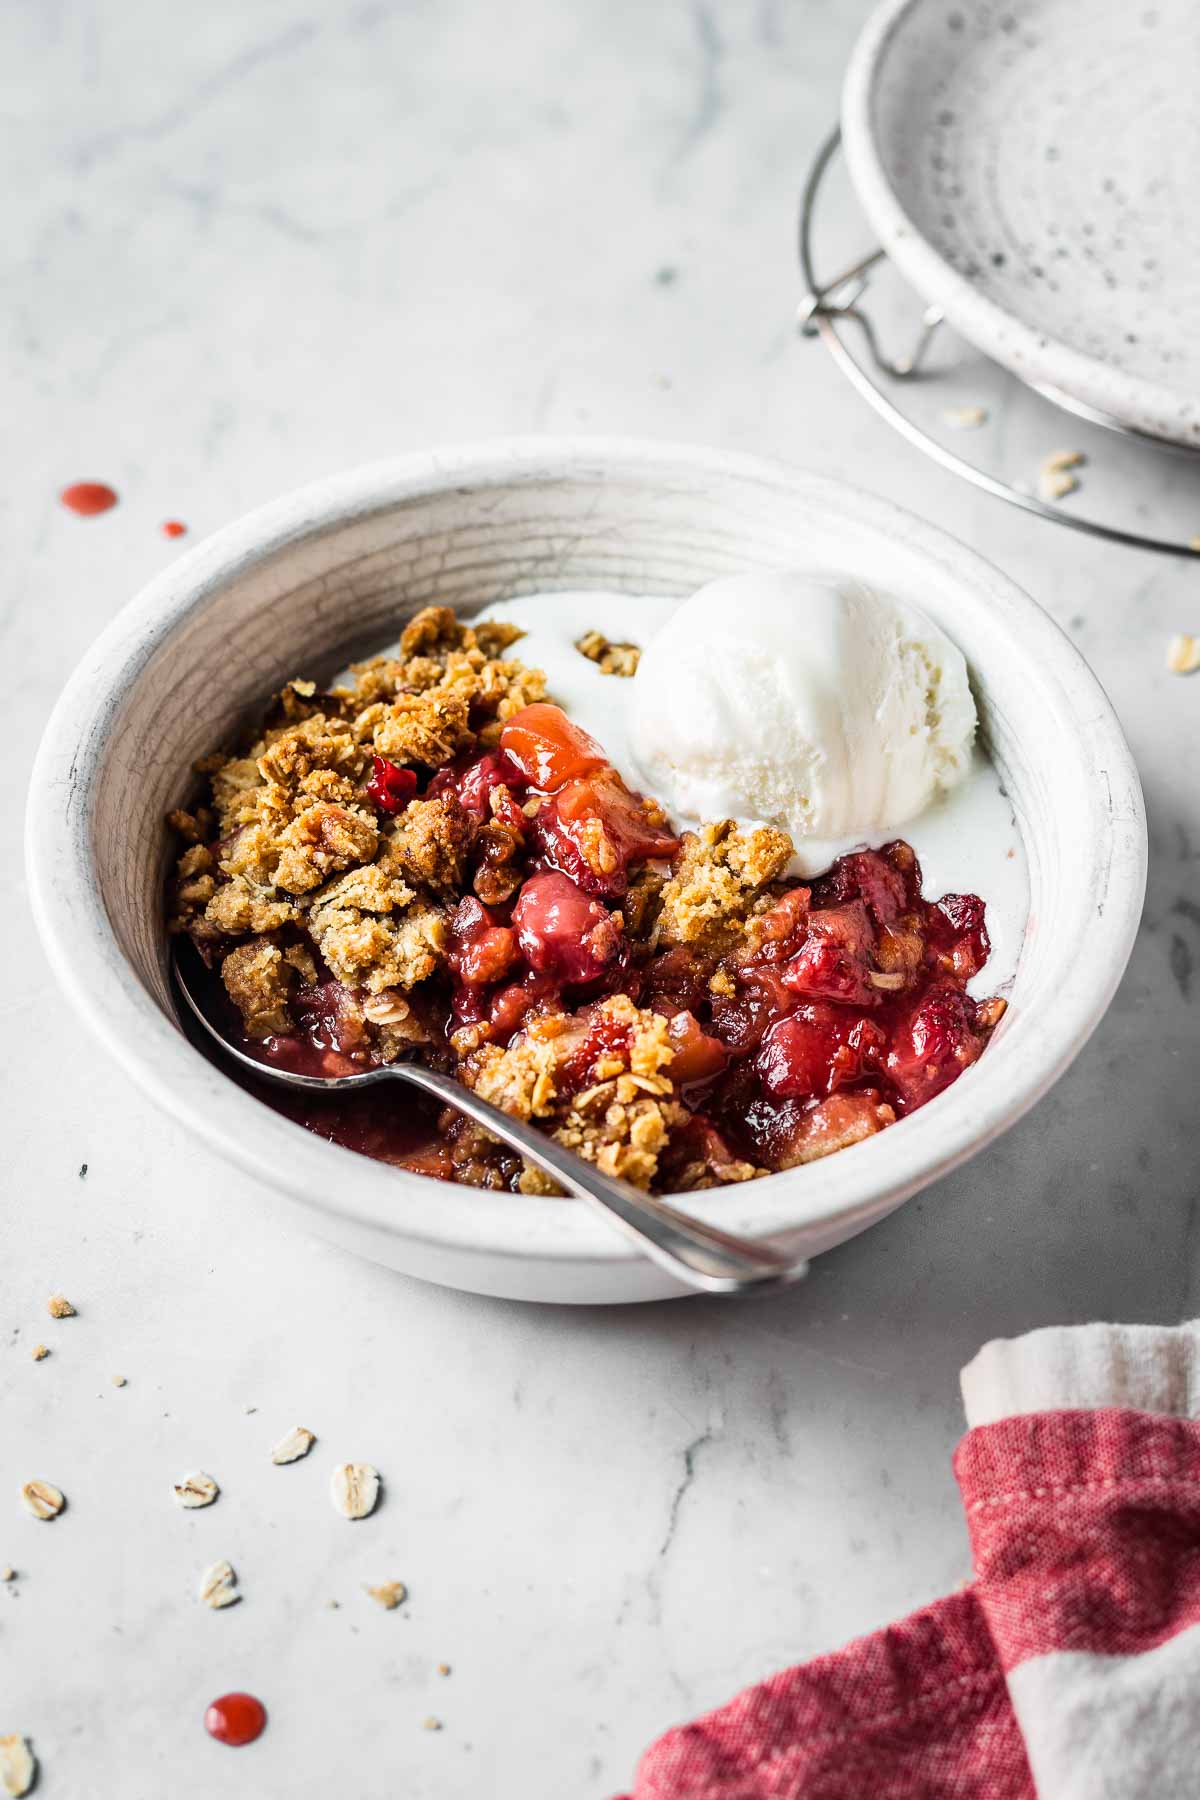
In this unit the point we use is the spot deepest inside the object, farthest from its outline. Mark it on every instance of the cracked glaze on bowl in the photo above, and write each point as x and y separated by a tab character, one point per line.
319	575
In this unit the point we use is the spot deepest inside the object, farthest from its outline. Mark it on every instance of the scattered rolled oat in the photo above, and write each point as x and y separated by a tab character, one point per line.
219	1586
59	1307
610	658
1054	479
354	1489
965	418
1183	658
1056	484
298	1442
42	1499
118	1381
39	1351
443	1668
17	1765
389	1594
8	1573
431	1724
196	1490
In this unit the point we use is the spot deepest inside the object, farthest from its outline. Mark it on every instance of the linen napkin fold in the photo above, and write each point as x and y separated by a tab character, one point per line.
1070	1668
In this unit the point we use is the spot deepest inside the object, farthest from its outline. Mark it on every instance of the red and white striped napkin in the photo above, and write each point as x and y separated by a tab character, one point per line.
1070	1668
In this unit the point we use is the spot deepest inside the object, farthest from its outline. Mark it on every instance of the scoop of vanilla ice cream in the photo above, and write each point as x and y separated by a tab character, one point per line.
807	701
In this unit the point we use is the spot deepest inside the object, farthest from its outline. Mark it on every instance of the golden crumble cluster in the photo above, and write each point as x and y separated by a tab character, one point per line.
717	882
610	658
299	843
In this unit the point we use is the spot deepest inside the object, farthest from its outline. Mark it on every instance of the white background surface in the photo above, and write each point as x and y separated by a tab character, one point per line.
246	246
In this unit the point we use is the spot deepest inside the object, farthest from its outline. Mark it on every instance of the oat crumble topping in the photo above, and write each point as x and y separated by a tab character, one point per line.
610	658
965	418
1055	480
18	1765
297	1443
1183	653
433	860
218	1586
354	1489
196	1490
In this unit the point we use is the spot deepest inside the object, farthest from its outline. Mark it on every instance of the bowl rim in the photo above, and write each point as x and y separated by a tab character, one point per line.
851	1189
1134	402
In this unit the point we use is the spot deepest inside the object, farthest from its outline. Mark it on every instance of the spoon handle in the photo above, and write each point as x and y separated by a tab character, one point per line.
702	1256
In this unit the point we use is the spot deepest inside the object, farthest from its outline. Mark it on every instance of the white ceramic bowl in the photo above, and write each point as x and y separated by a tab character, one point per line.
305	582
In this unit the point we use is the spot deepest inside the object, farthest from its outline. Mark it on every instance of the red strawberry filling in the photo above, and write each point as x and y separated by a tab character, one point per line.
841	1005
390	788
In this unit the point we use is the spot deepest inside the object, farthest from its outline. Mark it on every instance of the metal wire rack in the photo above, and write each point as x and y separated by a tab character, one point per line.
833	311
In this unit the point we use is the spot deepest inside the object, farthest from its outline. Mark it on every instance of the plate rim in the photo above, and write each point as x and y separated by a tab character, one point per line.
1129	402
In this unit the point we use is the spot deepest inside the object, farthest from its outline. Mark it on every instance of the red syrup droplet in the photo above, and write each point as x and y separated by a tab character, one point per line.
235	1719
174	528
88	497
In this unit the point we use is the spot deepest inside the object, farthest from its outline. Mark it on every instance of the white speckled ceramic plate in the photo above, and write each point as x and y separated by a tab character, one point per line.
1031	166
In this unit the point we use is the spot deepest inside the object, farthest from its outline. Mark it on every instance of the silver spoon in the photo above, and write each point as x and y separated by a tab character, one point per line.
713	1261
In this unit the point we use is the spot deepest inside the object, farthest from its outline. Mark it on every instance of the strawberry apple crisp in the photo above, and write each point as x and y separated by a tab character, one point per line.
433	860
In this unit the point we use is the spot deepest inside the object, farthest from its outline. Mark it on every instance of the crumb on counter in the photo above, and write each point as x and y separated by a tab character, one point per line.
389	1594
1183	653
59	1307
39	1352
965	418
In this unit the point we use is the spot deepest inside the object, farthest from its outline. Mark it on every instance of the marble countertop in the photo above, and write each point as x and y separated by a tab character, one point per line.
246	250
